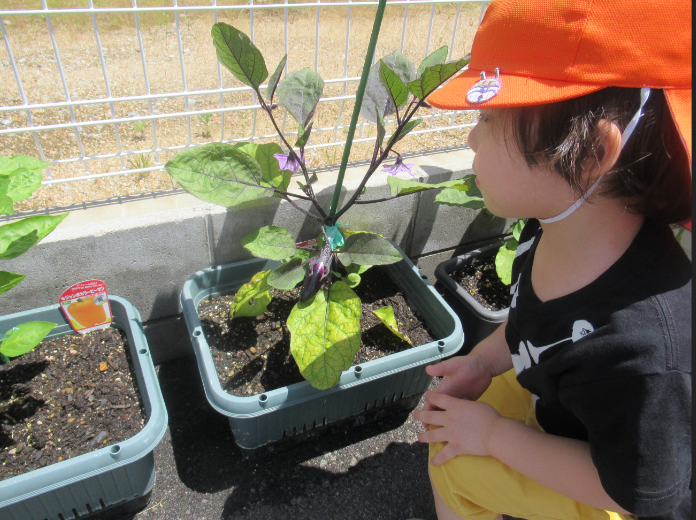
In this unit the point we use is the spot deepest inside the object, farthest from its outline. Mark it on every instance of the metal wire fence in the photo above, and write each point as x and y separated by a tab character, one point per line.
113	91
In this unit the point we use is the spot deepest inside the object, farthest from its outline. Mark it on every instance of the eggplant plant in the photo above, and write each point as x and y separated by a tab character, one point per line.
325	323
20	176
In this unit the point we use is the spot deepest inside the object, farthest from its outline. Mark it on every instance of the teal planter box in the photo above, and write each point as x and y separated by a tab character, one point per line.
284	412
112	479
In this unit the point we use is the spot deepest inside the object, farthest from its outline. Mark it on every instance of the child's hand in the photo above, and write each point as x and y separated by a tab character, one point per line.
465	425
464	377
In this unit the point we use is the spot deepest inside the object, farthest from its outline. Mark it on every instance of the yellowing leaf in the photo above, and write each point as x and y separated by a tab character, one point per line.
253	297
325	334
386	316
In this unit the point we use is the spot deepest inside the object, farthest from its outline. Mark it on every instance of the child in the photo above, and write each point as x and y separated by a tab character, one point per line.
579	405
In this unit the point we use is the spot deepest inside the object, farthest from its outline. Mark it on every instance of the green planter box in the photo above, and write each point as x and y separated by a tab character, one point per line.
477	321
291	410
106	481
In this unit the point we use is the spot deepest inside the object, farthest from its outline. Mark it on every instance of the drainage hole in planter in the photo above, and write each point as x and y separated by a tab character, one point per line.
142	351
441	345
197	333
358	370
115	449
263	398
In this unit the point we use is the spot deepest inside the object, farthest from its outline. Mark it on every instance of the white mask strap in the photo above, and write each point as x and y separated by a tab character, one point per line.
630	127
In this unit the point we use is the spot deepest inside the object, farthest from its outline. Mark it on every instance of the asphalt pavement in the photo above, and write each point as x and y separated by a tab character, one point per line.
370	467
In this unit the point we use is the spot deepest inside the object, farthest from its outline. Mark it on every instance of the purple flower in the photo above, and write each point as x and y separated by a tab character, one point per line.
398	167
289	161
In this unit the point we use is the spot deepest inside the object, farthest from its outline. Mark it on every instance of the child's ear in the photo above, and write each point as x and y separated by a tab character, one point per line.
607	148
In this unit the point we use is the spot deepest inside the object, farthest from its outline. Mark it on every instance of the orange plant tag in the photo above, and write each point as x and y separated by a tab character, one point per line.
86	305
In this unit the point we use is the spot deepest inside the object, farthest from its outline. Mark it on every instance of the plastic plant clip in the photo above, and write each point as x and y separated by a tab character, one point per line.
335	236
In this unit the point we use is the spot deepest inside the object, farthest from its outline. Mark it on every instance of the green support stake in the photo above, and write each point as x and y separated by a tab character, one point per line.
358	103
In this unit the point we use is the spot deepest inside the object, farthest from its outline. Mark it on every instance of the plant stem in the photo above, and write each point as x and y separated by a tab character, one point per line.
358	102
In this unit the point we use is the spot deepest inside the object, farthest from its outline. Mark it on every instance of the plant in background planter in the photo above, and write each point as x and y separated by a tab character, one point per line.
106	481
476	285
20	176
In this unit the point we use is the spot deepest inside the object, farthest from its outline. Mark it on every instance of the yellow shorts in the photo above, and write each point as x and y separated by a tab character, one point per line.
480	488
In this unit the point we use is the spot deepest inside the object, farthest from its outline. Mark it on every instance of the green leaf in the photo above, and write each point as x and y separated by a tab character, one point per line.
376	94
436	58
239	55
404	131
272	242
404	187
273	80
459	198
303	254
300	92
392	82
325	334
517	228
286	276
253	297
434	76
504	259
6	203
21	183
9	164
24	337
357	268
386	316
219	173
353	279
17	237
303	135
270	169
463	194
9	280
368	249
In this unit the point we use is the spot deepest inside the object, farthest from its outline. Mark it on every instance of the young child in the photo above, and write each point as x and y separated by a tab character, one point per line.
579	405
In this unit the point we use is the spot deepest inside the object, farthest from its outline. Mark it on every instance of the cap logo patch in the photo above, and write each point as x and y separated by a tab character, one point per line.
485	88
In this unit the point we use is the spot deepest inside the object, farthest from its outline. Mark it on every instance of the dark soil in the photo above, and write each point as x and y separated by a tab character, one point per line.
481	280
69	396
252	355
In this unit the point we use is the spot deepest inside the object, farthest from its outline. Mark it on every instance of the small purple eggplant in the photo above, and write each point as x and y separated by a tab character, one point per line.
319	268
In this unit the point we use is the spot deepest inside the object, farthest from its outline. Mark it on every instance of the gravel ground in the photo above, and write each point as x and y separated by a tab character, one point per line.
376	470
74	36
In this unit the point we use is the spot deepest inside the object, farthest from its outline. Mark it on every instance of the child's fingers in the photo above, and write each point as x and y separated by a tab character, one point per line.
441	369
447	453
434	418
441	401
433	435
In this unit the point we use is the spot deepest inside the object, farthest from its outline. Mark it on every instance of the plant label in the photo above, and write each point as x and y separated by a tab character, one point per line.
86	306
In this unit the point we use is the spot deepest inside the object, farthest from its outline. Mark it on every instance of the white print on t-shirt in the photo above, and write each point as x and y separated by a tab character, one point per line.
524	247
529	353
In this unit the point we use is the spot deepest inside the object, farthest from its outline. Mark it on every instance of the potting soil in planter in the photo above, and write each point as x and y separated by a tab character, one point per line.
480	279
69	396
252	355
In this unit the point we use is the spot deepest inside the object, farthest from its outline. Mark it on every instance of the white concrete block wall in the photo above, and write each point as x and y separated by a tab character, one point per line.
146	249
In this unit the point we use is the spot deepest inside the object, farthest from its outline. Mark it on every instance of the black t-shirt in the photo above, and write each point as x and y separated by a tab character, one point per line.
611	364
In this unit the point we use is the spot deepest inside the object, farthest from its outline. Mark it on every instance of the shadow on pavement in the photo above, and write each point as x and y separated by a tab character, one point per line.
208	460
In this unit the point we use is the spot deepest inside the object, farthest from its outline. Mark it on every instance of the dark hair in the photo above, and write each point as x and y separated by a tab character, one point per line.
652	174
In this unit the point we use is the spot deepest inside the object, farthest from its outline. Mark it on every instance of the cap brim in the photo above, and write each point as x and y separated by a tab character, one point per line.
514	91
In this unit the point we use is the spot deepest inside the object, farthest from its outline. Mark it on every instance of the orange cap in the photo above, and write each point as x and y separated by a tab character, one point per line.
553	50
